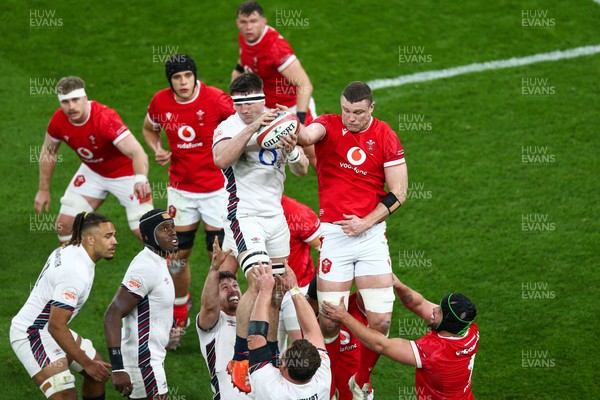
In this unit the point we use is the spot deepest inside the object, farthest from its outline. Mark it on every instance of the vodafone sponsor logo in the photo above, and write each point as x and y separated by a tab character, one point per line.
186	133
344	337
356	156
69	295
134	282
85	153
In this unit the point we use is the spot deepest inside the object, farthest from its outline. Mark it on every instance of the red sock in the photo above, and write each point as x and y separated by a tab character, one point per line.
333	349
180	312
368	359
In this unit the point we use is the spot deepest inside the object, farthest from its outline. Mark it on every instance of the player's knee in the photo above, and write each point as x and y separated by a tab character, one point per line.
134	213
186	239
332	297
210	238
88	348
73	203
252	258
380	302
57	383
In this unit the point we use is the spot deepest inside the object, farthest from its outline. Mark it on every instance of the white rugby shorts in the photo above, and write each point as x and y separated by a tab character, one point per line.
37	352
269	234
188	208
148	383
342	258
89	183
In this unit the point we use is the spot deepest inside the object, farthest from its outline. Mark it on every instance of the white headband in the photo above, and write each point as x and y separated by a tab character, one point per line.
72	94
248	98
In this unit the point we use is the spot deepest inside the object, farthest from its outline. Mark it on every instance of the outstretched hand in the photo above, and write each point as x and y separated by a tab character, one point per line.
334	312
288	280
218	255
263	276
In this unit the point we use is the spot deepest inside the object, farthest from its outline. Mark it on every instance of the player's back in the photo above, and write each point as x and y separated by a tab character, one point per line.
446	364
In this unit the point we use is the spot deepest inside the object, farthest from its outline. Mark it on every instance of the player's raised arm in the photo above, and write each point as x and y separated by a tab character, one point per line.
259	319
397	349
306	315
413	300
227	151
237	71
311	134
209	309
47	162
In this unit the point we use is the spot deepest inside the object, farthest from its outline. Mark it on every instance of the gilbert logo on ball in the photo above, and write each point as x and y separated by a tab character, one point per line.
284	124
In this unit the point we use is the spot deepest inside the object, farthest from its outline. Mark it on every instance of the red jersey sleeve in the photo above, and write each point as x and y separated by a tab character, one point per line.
282	54
114	128
225	106
53	127
153	115
394	152
310	225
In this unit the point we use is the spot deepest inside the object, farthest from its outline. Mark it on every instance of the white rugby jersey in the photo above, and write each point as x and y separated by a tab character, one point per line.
255	180
216	346
65	282
269	384
146	329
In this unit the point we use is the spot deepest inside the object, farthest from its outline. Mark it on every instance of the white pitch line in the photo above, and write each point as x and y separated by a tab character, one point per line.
485	66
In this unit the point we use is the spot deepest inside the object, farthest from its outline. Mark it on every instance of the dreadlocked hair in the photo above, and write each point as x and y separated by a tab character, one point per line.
84	221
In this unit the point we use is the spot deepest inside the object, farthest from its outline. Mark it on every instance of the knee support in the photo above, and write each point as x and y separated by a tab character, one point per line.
57	383
210	238
378	300
89	350
73	203
134	213
186	239
252	259
278	268
332	297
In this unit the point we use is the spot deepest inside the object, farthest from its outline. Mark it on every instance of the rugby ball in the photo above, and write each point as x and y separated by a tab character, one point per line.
284	124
